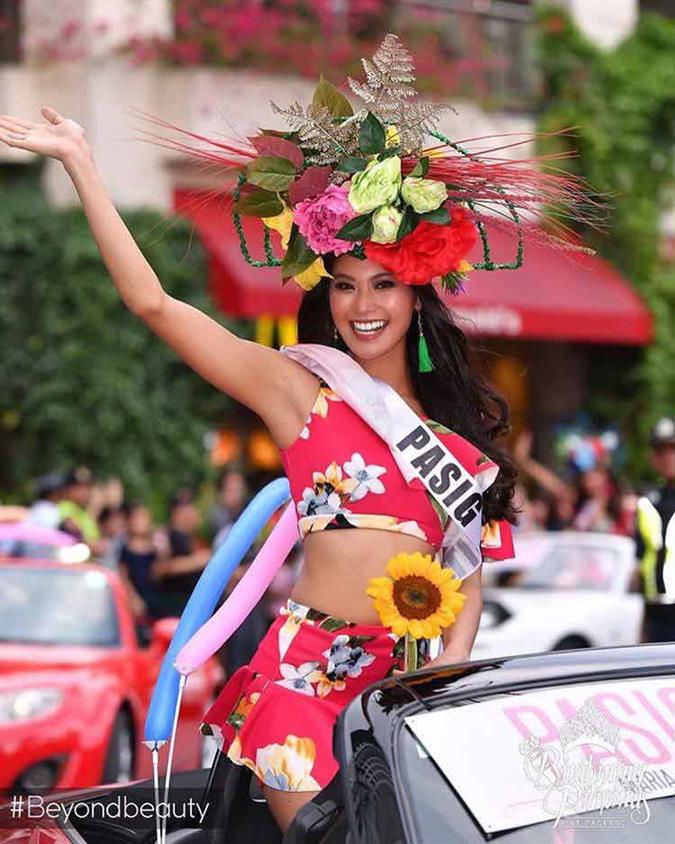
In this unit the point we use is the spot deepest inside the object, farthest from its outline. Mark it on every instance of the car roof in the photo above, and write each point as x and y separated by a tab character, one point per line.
492	676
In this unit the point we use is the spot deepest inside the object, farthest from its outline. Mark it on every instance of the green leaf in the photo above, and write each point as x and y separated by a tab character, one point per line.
408	222
259	203
439	215
352	165
298	255
271	173
389	152
327	96
359	641
358	228
421	169
371	135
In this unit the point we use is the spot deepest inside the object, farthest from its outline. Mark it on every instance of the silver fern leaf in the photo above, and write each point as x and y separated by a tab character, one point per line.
329	139
390	95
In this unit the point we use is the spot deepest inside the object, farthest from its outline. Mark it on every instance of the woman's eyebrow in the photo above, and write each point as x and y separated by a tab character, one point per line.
372	277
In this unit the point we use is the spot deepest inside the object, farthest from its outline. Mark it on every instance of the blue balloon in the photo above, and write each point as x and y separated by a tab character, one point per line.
202	603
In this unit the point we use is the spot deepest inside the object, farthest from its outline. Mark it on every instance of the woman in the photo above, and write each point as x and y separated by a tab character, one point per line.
139	558
370	313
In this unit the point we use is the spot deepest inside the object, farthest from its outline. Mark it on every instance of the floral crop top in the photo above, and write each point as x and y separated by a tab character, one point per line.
343	475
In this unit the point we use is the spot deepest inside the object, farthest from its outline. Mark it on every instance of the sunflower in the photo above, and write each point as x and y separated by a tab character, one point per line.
418	598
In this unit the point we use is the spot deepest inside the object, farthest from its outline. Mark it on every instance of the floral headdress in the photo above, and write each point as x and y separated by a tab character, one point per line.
361	182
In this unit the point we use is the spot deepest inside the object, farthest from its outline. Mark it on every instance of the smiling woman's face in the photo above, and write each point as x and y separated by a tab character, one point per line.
372	311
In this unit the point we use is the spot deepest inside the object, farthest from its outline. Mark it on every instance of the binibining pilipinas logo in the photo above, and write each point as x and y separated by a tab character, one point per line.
574	781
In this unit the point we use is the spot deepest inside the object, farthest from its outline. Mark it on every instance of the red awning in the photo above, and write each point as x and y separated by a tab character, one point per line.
555	295
237	288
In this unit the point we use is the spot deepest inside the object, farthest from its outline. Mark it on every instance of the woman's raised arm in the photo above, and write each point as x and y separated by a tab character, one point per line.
258	377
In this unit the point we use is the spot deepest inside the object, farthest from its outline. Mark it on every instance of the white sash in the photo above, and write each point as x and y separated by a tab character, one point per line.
417	450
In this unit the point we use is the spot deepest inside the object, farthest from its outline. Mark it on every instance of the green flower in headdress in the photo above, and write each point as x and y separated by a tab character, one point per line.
386	221
423	194
377	185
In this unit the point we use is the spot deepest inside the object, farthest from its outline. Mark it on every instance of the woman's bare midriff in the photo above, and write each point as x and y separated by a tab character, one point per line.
338	565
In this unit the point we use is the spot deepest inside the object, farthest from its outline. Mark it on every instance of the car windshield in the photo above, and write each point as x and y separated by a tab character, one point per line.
57	606
570	566
604	751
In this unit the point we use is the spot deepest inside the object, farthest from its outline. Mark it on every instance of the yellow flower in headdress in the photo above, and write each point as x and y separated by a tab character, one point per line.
418	598
391	136
283	223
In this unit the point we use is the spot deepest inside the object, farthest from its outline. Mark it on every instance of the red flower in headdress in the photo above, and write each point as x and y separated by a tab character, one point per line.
429	251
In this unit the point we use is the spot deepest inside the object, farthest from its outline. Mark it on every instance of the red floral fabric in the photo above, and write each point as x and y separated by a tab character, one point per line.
276	715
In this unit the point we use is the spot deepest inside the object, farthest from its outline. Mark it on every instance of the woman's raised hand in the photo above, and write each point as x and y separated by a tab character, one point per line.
57	137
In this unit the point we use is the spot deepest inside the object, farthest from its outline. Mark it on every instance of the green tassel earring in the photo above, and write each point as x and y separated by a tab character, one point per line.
424	362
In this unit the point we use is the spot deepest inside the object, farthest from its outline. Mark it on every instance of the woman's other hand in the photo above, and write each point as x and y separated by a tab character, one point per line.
57	137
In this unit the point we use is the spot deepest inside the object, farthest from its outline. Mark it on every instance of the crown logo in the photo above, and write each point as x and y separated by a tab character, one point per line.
587	727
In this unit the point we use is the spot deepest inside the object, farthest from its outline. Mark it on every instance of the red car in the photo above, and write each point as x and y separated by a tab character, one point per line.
77	677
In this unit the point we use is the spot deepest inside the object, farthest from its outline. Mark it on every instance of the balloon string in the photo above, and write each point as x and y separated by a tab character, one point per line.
169	762
155	780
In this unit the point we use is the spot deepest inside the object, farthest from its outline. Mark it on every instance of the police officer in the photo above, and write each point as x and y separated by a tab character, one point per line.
655	536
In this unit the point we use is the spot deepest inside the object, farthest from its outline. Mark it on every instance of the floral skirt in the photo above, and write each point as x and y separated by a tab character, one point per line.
276	714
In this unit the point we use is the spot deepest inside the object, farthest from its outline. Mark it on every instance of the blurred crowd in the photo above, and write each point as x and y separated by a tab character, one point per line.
588	497
159	564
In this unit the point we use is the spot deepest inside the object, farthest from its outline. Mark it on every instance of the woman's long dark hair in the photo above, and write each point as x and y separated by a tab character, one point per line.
451	394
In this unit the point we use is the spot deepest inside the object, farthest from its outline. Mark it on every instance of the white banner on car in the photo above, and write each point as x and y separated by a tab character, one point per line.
539	756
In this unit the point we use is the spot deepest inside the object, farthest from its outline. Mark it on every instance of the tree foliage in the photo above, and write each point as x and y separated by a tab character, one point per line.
622	105
82	379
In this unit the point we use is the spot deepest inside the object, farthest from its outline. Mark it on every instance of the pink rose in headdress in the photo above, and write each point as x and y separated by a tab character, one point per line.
319	219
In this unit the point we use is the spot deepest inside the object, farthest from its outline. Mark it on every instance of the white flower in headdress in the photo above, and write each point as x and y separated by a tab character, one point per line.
366	477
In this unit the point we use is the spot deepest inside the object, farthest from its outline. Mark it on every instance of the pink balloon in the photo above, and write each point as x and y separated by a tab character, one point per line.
244	597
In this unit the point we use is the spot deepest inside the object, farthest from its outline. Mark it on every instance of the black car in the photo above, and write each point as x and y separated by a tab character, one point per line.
460	755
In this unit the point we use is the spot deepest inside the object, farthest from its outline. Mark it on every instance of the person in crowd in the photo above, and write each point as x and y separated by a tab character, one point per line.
73	507
186	558
594	501
233	495
599	503
139	555
112	525
45	509
655	538
537	509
